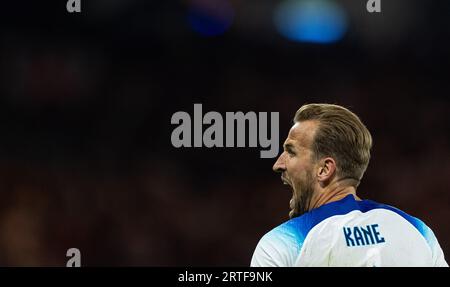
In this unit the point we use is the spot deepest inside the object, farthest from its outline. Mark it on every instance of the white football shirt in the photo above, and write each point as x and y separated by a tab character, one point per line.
350	233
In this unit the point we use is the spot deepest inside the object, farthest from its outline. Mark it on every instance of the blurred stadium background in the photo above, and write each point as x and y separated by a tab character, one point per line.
86	100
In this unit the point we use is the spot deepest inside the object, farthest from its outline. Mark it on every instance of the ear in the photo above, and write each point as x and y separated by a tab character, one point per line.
326	170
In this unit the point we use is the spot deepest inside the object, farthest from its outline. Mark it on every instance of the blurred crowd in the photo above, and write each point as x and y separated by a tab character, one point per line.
85	154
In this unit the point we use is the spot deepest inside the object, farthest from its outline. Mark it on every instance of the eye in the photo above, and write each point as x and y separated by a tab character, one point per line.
291	152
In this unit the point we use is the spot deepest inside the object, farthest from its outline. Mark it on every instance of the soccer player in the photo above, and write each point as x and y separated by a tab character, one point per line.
325	156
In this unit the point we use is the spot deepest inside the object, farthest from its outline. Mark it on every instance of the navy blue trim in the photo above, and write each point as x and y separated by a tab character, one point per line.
423	229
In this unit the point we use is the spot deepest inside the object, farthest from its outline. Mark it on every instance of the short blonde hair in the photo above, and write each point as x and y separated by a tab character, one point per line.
340	135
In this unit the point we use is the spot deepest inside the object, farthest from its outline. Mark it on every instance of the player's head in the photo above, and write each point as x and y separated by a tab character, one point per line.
326	144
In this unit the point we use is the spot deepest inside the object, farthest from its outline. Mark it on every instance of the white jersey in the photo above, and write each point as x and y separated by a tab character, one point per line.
350	233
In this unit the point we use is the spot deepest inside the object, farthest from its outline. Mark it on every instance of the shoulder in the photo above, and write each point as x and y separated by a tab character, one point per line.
428	234
417	223
280	246
420	226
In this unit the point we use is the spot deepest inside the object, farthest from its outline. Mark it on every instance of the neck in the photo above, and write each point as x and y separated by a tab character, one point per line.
333	192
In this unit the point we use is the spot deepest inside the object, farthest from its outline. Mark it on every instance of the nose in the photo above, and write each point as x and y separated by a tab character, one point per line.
280	164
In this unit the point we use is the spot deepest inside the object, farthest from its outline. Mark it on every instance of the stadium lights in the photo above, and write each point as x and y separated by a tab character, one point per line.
311	21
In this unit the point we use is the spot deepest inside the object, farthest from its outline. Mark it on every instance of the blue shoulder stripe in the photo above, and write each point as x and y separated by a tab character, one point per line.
423	229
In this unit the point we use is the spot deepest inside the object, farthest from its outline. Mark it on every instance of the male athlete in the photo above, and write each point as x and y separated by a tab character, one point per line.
325	156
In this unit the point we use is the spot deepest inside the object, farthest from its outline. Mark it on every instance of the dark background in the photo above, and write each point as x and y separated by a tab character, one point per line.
86	101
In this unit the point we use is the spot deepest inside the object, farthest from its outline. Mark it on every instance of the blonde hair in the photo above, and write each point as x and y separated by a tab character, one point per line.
340	135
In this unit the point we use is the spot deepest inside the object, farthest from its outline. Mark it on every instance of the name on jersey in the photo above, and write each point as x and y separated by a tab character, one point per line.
361	236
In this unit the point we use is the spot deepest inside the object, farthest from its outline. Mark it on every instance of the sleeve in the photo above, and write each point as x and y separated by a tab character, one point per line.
437	253
274	251
438	257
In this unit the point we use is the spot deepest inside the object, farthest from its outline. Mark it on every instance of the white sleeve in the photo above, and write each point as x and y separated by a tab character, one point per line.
439	260
438	254
274	251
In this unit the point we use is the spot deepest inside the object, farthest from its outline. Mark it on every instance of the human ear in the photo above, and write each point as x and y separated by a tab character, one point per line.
326	170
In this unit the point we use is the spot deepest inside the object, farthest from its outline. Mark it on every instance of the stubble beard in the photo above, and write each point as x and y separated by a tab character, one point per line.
302	202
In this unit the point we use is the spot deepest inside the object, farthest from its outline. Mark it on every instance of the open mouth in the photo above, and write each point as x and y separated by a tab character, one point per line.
284	180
